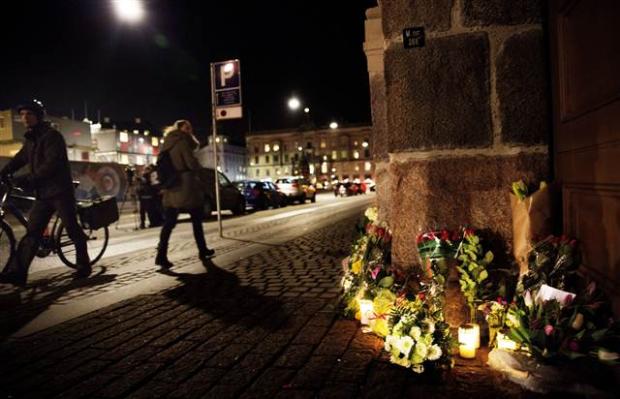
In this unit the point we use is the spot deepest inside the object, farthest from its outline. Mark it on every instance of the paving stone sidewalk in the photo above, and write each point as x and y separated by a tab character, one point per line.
265	327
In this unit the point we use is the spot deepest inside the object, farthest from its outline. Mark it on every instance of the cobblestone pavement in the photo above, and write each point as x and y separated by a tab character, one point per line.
263	327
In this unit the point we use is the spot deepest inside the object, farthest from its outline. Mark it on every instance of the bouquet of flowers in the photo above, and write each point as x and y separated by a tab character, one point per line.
367	270
472	269
435	249
495	316
553	261
418	335
576	328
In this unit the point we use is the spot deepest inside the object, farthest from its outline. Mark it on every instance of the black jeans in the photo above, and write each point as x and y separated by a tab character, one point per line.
170	221
39	217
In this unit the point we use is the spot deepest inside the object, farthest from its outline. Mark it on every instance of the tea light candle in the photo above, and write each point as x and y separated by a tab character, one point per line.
468	336
366	311
505	343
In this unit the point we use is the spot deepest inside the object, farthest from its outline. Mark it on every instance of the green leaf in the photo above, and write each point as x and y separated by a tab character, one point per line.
483	276
488	257
386	282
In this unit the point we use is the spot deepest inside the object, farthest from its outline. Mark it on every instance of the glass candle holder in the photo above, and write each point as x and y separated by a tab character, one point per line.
469	335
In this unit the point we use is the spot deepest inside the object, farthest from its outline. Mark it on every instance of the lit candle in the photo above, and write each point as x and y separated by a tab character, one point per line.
505	343
366	311
468	336
476	334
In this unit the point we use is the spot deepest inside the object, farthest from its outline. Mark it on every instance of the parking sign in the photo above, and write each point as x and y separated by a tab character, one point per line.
226	84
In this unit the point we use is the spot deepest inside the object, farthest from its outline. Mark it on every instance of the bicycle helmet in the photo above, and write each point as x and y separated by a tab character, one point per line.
35	106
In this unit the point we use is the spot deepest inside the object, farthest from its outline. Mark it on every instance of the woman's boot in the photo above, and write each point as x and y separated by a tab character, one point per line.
162	257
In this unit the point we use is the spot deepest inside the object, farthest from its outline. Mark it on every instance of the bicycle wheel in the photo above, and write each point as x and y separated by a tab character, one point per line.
7	244
96	243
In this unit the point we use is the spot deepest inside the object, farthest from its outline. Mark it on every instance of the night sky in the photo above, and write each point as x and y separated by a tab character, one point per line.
66	52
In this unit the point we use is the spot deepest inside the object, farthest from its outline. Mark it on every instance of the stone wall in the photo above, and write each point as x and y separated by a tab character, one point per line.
456	121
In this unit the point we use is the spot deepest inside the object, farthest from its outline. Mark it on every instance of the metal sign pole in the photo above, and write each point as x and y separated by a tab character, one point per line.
214	143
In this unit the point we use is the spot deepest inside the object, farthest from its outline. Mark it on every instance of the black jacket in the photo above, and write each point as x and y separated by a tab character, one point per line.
45	154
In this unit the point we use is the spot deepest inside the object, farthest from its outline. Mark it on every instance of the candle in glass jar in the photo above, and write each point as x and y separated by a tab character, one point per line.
469	335
366	310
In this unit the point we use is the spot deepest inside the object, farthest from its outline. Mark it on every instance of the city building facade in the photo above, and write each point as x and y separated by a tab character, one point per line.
132	143
231	159
323	154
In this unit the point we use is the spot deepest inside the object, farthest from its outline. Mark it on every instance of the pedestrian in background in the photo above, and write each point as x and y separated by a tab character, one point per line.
187	195
148	196
45	154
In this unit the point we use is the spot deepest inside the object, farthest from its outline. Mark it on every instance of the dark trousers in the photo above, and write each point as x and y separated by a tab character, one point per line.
145	206
39	217
170	221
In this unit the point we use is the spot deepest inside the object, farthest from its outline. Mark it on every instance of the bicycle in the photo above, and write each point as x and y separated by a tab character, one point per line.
55	239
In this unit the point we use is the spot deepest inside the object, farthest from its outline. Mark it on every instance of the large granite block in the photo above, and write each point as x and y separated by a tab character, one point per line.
438	95
452	192
501	12
399	14
522	89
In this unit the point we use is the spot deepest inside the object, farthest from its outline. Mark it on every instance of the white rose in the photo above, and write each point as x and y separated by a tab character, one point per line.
434	352
415	332
389	342
404	345
421	350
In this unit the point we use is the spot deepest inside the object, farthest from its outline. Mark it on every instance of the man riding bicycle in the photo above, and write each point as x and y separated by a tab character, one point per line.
45	154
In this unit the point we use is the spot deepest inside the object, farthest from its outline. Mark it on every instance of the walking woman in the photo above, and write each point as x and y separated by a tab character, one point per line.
187	195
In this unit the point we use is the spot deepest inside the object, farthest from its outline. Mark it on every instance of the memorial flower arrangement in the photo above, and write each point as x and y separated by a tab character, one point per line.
419	337
554	330
495	315
472	268
553	261
368	271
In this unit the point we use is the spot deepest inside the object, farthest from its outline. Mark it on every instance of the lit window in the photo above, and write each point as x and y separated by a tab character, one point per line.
124	137
356	154
276	147
324	167
367	166
344	154
136	132
146	132
217	140
334	154
154	141
324	157
357	168
322	143
333	170
267	148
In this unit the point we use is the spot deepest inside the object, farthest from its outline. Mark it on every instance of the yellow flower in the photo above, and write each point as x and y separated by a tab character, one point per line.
356	267
380	327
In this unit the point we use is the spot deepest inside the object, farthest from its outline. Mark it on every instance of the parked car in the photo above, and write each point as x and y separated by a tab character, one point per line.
260	195
296	189
230	197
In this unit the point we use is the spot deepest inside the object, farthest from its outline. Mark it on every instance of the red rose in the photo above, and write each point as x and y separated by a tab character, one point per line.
445	235
421	296
380	231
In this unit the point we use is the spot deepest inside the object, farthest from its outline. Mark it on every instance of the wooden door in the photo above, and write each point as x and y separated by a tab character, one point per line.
585	56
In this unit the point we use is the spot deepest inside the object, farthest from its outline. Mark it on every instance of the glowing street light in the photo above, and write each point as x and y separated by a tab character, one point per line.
294	103
306	110
333	125
129	10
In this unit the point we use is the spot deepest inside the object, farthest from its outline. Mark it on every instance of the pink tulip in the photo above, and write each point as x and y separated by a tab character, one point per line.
549	329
